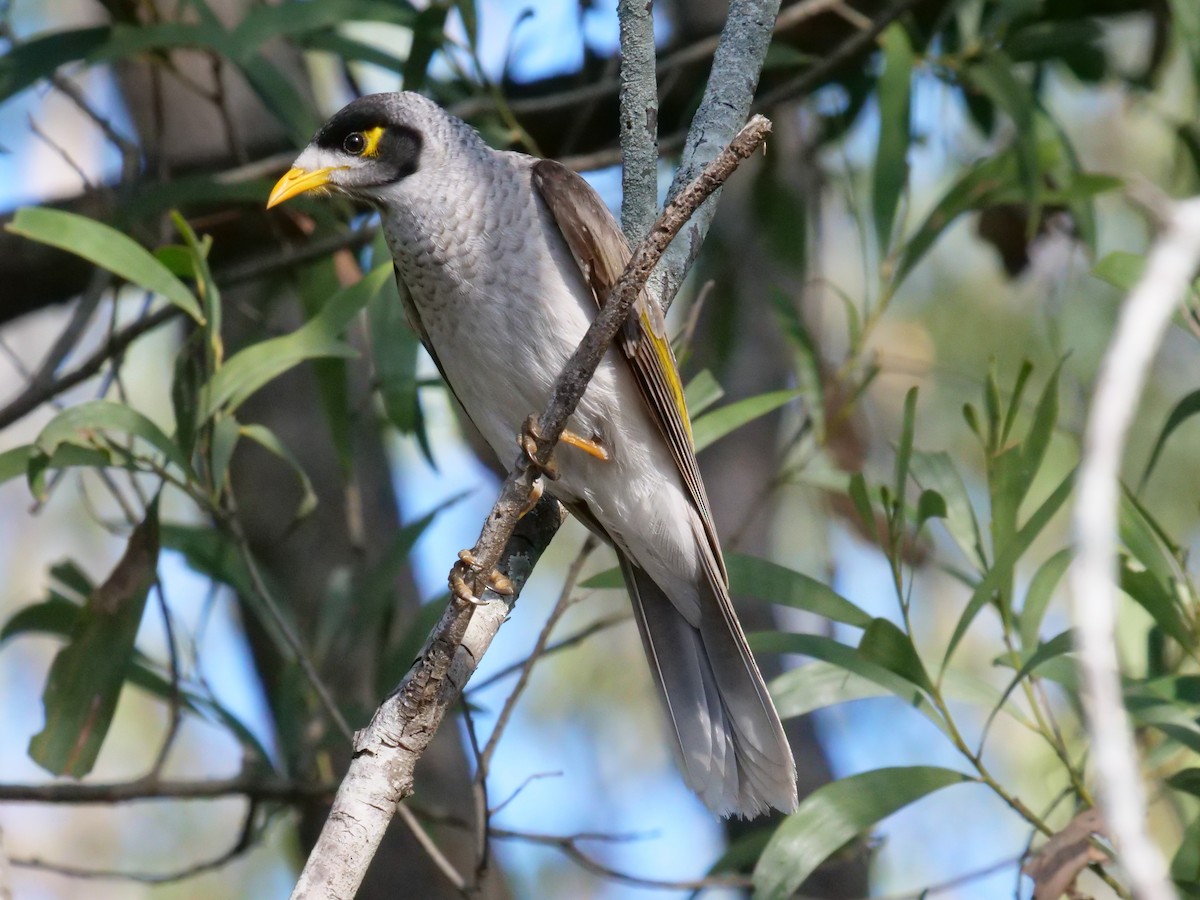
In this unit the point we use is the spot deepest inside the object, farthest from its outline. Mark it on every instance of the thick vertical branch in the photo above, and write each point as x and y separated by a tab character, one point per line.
1170	267
726	104
639	119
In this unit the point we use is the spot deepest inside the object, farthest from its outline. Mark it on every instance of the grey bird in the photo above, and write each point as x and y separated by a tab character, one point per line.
502	261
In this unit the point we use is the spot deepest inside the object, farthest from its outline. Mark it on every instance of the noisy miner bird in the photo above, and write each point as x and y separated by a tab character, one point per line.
502	261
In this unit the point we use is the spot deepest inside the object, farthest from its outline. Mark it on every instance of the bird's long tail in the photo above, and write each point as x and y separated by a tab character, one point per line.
732	749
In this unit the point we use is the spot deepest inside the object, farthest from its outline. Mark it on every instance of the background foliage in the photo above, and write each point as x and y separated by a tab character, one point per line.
230	477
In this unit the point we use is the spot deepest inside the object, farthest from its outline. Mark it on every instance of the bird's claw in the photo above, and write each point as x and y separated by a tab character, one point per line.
530	441
468	565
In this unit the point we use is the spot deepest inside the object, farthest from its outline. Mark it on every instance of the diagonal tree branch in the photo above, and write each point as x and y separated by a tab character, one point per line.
386	751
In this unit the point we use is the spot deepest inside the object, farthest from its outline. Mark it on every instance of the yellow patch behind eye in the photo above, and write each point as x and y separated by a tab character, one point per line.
372	136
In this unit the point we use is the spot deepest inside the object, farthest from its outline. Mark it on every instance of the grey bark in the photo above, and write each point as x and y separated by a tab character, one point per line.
639	119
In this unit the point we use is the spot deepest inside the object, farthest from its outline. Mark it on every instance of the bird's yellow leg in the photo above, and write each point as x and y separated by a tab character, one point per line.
530	440
590	447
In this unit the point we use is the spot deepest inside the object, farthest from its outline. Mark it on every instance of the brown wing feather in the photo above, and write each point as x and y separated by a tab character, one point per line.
601	252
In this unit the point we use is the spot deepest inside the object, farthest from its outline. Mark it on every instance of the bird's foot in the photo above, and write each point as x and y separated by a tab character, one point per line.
535	494
468	565
530	441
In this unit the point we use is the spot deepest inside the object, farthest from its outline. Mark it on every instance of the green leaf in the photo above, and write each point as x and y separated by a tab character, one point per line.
1045	40
226	434
936	471
702	392
87	675
884	643
862	501
71	577
279	95
1147	542
60	617
394	353
1185	19
80	425
904	453
14	462
211	554
852	661
266	438
1037	597
36	58
1041	430
930	505
818	685
743	852
609	579
428	37
750	576
1055	647
1149	593
57	615
833	815
891	156
349	49
209	293
974	189
993	74
1180	413
713	426
1002	569
1120	269
107	248
1185	866
251	368
1185	780
187	379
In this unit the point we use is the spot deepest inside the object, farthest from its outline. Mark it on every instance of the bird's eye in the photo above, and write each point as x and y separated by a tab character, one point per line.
354	143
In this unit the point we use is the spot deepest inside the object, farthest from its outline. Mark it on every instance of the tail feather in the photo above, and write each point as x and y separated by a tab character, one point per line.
731	745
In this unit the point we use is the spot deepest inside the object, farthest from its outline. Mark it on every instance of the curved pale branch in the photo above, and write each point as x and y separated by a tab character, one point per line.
1170	267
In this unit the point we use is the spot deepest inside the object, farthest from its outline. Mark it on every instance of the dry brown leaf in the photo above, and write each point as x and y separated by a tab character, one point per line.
1058	862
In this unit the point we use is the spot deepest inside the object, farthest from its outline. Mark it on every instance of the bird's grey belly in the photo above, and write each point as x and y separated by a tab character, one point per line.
501	356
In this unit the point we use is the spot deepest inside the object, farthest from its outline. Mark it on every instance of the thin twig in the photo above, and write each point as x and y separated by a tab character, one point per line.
280	622
483	757
265	787
245	841
568	845
429	845
842	54
566	598
1170	267
577	638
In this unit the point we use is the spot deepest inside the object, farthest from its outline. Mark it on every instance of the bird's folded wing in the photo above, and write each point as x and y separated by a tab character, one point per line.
601	252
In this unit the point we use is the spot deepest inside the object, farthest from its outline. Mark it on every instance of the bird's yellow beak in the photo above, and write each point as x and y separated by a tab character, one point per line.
298	181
